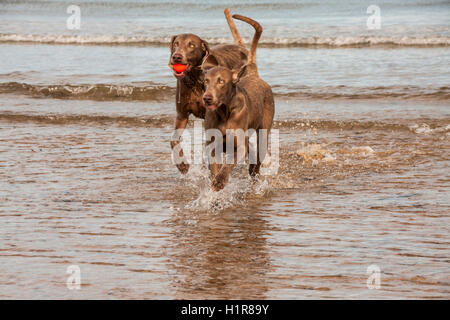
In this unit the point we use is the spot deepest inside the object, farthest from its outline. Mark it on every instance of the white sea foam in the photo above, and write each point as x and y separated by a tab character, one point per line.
305	41
426	129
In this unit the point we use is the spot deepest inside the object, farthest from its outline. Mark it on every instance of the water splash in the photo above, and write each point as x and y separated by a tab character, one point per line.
237	192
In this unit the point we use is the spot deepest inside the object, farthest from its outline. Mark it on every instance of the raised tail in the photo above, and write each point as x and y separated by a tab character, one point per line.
234	31
258	30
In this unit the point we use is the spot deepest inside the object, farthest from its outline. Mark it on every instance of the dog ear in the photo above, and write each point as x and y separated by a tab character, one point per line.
209	62
206	50
238	74
172	40
205	47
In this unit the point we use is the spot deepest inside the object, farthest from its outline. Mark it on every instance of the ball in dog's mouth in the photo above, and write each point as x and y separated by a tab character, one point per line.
179	70
179	67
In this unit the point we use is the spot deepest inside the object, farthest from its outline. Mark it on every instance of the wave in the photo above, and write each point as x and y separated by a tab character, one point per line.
284	4
160	92
83	119
100	92
435	125
331	42
365	93
166	121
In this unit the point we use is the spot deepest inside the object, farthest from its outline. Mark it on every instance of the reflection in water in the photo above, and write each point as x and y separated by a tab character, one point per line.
220	256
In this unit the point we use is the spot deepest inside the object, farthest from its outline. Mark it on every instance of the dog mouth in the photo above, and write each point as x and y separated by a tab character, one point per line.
214	106
178	71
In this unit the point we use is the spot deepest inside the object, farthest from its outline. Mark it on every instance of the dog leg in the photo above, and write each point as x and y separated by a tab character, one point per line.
253	169
180	125
221	179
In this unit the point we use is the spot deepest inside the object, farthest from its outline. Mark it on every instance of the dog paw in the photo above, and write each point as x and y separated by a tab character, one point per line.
183	167
218	184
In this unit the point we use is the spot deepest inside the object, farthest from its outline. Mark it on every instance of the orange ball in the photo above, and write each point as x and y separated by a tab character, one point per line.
179	67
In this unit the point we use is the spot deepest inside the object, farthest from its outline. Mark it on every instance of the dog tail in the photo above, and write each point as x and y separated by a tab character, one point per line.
234	31
258	31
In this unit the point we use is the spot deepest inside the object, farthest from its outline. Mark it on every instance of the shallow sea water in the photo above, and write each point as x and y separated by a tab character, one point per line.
86	176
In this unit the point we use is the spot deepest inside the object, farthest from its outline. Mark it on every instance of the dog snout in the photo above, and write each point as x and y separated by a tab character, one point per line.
177	58
208	99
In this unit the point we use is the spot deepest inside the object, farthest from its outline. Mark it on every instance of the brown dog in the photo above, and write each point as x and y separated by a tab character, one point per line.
237	100
191	51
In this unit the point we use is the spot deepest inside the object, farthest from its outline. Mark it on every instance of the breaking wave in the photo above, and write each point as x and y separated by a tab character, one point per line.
102	92
125	40
160	92
166	121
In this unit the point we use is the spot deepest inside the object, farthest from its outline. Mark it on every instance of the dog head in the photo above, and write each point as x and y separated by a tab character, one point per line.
189	50
220	86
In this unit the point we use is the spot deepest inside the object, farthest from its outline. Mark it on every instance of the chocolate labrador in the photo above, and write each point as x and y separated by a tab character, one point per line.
191	51
237	99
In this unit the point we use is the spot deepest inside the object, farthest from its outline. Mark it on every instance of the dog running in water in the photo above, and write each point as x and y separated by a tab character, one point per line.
187	53
236	99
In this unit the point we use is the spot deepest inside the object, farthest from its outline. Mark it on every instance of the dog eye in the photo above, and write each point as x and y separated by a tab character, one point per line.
221	81
191	45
